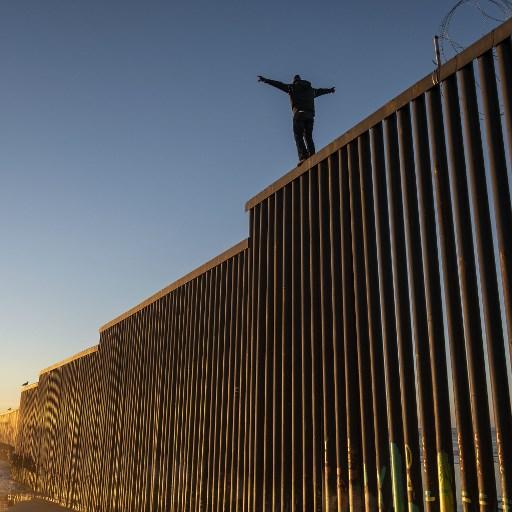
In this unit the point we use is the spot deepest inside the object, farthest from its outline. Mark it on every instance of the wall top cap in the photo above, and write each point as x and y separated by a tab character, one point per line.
84	353
221	258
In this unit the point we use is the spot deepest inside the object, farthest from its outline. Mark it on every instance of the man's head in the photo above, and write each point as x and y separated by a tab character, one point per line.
297	78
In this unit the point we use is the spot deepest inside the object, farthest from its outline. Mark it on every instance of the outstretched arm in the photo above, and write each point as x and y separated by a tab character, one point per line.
320	92
274	83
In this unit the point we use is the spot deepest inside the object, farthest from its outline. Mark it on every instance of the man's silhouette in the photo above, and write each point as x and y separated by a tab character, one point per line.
302	97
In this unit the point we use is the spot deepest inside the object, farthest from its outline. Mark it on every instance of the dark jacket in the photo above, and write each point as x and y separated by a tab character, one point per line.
302	95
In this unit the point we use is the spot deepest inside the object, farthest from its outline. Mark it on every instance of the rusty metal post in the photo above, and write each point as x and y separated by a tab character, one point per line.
277	363
296	336
199	394
259	323
185	438
202	469
316	372
285	297
210	480
225	394
245	390
265	317
250	404
269	308
227	391
305	287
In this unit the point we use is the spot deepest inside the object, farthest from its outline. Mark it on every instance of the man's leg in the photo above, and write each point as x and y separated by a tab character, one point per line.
298	132
308	135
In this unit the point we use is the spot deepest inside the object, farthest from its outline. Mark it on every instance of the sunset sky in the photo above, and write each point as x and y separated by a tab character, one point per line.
132	133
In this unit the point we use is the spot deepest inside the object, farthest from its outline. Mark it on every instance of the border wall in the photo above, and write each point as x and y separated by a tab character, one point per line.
353	354
124	425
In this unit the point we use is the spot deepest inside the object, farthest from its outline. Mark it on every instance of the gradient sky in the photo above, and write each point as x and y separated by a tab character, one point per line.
132	133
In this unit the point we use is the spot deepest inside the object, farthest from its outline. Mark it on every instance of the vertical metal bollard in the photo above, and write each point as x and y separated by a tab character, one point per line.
199	393
205	398
259	399
317	444
286	297
296	335
243	390
268	361
250	403
308	489
277	363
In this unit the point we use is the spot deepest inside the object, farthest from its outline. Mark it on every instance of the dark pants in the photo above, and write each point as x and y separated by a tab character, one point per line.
303	132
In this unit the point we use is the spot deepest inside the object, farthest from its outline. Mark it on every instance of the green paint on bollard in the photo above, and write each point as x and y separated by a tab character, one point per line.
397	477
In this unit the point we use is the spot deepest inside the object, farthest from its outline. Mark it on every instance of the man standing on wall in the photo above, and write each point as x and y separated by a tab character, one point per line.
302	97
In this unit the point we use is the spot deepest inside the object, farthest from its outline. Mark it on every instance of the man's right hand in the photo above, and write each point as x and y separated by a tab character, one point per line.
261	78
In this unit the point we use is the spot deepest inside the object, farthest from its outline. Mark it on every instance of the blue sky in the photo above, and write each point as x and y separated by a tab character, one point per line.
132	133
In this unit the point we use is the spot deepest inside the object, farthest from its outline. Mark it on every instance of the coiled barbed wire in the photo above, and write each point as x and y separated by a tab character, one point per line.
504	6
443	36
